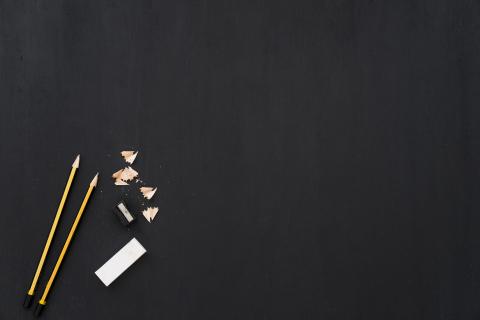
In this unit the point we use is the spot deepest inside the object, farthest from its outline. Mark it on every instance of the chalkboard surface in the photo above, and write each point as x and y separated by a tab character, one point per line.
314	159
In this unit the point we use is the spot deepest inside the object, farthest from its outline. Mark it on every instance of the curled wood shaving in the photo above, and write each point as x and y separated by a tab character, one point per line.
122	176
128	174
148	192
117	174
129	156
150	213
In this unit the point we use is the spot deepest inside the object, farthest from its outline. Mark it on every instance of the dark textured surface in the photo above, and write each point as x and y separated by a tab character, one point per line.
315	160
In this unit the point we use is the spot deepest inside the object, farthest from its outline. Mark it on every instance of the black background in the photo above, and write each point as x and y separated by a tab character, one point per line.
314	159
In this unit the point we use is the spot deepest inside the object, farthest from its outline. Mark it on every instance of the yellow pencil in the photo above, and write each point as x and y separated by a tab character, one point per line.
43	301
29	298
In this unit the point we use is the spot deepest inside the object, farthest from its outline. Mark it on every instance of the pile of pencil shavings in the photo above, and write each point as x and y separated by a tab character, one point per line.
127	175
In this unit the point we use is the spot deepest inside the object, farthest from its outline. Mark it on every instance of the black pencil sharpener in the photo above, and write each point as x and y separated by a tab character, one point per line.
125	216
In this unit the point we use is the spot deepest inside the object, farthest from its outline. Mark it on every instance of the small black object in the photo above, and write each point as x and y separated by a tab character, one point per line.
123	214
28	301
38	310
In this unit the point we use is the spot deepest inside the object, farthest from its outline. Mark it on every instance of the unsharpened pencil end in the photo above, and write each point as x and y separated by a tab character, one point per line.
76	163
94	181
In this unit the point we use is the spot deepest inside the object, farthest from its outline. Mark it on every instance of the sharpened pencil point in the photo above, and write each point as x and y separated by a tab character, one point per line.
76	163
94	181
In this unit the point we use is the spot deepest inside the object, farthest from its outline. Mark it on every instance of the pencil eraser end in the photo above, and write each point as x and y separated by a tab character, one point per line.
39	310
28	301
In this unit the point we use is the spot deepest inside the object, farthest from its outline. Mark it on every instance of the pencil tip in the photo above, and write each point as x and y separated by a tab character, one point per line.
76	163
94	181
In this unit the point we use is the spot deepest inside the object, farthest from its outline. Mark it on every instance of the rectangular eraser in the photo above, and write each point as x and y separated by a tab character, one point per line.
120	262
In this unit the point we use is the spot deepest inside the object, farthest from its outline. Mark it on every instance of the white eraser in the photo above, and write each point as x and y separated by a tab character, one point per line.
120	262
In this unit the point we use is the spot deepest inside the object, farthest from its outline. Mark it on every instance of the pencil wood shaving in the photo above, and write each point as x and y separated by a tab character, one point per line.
150	213
128	174
148	192
129	156
117	174
122	176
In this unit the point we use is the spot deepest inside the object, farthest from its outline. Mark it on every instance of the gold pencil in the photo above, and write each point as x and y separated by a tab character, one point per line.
29	297
43	301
